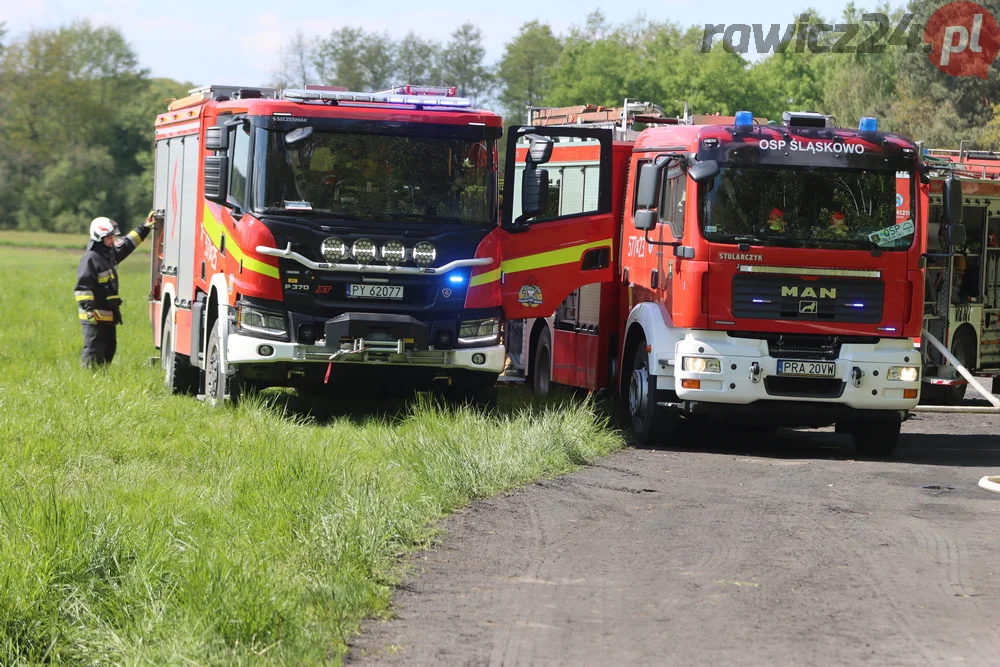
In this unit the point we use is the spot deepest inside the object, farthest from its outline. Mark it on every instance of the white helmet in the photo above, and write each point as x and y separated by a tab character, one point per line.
101	227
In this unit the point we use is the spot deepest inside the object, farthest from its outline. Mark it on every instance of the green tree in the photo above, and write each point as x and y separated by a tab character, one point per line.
524	73
338	58
418	61
462	63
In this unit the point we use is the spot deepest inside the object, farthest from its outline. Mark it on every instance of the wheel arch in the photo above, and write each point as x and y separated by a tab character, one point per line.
966	334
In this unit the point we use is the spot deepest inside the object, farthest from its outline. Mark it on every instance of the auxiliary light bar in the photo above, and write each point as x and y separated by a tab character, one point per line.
439	101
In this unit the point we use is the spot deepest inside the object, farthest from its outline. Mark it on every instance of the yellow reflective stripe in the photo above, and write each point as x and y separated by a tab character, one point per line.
538	261
551	257
134	235
104	315
215	231
105	274
484	278
83	315
113	296
83	295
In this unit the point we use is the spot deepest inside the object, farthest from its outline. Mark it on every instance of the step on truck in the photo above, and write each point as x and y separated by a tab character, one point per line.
327	240
962	292
761	273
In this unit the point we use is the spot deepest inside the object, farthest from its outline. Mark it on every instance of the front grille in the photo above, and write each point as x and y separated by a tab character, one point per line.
804	387
819	300
810	347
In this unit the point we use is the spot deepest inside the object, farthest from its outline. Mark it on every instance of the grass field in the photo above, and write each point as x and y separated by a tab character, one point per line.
141	528
17	239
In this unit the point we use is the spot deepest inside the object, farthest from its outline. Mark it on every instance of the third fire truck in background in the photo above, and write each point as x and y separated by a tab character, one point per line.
962	295
767	274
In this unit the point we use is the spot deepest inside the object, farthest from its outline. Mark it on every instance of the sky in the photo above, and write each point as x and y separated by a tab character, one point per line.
239	43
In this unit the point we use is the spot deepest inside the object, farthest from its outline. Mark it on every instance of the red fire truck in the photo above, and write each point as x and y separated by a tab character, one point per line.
763	273
962	296
326	239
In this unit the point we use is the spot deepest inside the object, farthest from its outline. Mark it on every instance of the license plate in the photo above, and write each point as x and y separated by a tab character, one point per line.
390	292
820	369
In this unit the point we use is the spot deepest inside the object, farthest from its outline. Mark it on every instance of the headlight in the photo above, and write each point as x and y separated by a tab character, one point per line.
701	365
334	249
424	254
393	253
903	373
262	321
479	332
363	251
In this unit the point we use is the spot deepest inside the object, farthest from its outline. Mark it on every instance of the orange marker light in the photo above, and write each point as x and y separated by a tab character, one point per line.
909	393
691	384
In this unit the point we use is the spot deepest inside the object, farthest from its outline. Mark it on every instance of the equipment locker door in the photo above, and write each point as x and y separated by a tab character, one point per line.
548	256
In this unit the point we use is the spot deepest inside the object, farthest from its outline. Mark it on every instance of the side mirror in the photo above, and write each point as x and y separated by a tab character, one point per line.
298	134
647	190
534	193
217	138
540	149
644	220
954	234
702	171
952	199
217	178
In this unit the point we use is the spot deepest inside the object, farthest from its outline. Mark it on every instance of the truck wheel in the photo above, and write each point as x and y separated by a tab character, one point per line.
651	424
963	347
179	376
218	386
541	380
876	437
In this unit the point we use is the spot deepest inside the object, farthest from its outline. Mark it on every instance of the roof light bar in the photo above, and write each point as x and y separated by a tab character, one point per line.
382	98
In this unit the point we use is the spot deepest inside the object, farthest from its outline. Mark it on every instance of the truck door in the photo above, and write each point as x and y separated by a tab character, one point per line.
558	225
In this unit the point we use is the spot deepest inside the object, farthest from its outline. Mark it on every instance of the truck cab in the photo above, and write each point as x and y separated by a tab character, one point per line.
327	240
762	272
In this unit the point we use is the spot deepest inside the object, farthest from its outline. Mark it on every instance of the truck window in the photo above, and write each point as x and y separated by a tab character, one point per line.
672	200
239	161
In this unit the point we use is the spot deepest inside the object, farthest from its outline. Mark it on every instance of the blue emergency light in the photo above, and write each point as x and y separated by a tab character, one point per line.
868	124
456	279
744	119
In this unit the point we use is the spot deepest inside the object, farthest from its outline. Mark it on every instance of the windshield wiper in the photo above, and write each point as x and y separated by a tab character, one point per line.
864	244
281	210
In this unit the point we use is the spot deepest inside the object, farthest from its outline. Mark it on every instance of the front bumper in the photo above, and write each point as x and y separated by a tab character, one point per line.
860	381
244	349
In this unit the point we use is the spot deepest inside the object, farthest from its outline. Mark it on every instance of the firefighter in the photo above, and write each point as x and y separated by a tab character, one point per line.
96	288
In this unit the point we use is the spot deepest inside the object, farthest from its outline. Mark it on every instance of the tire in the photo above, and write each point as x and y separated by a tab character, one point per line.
179	376
963	347
651	424
219	387
541	376
876	437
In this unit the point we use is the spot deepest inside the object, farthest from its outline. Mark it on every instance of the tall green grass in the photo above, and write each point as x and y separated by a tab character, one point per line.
141	528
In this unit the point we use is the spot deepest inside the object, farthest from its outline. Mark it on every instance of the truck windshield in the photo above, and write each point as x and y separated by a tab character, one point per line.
375	177
806	207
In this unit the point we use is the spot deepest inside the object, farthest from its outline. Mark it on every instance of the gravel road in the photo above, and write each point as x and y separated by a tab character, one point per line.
722	549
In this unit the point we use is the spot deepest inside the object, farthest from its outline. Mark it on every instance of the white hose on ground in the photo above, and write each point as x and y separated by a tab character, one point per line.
990	484
968	409
994	401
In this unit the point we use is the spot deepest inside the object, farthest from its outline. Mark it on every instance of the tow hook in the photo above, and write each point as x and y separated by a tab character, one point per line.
856	376
755	372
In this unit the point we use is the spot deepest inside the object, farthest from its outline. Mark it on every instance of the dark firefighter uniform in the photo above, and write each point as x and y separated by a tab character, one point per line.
96	291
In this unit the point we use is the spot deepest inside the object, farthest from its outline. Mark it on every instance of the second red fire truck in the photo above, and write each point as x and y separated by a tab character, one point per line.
762	273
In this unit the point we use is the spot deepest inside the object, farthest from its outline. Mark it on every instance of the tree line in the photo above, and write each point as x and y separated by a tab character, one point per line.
76	106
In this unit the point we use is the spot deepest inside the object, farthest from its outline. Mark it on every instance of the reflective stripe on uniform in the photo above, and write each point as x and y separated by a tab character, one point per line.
113	296
134	235
99	315
105	276
83	295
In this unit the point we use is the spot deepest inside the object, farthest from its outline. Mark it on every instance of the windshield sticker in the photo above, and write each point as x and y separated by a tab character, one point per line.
810	146
891	233
298	206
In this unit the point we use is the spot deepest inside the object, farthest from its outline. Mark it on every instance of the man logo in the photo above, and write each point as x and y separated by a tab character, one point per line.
808	307
809	292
